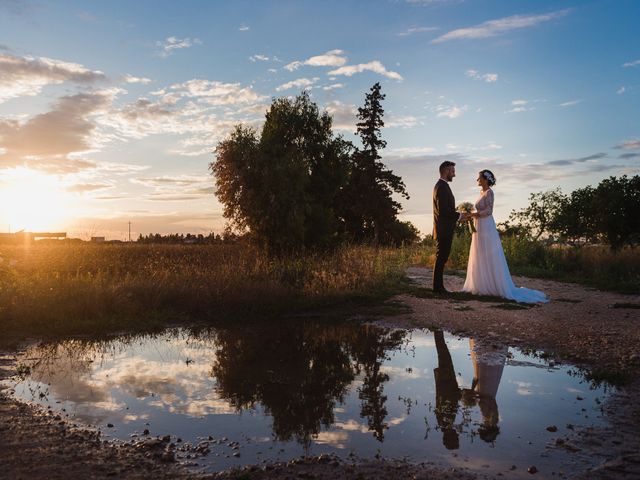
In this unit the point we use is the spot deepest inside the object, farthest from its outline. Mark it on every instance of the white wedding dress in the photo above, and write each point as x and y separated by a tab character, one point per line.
487	271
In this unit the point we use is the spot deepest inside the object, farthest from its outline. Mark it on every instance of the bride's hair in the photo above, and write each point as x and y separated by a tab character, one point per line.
488	174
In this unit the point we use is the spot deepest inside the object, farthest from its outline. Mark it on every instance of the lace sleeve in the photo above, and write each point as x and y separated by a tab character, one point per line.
486	209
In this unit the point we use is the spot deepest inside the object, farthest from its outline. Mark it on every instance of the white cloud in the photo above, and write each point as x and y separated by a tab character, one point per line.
629	145
343	114
26	76
634	63
621	90
485	77
173	43
332	58
414	30
403	121
333	86
298	83
259	58
570	103
243	28
131	79
450	111
493	28
518	106
215	92
373	66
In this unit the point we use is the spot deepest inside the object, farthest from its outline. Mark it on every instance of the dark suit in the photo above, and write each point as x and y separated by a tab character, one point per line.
445	217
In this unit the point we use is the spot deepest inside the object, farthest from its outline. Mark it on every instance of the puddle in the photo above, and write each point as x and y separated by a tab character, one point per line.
272	393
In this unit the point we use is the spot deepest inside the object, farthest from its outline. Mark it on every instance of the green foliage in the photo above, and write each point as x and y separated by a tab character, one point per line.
607	213
282	186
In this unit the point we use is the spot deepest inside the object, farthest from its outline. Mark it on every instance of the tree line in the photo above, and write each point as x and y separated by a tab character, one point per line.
295	184
608	213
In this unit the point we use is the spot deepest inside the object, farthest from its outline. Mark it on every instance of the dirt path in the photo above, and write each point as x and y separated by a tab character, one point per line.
597	330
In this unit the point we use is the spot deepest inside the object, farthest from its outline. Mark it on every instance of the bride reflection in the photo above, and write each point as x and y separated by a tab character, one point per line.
488	361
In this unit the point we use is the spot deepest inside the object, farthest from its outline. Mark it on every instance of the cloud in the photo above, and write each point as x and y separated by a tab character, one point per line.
520	106
298	83
170	44
343	115
621	90
629	145
450	111
500	26
570	103
259	58
26	76
131	79
414	30
403	121
243	28
373	66
595	156
88	187
333	58
49	138
333	86
634	63
216	93
629	155
485	77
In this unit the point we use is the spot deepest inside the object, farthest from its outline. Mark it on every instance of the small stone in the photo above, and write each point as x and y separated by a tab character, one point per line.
236	454
552	428
146	431
532	469
109	425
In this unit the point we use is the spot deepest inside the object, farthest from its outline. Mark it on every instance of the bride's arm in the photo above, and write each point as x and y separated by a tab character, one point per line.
487	208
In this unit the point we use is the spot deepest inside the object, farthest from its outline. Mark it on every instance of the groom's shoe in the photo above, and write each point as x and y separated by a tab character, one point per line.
441	291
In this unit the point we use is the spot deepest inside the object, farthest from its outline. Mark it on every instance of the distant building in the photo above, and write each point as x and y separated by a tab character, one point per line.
97	239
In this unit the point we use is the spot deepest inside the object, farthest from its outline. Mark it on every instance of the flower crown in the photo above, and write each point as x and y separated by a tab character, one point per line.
490	178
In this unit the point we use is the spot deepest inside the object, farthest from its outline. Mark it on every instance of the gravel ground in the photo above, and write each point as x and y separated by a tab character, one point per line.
578	325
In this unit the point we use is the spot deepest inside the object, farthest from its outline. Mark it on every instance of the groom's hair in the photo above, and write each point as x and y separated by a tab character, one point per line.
446	164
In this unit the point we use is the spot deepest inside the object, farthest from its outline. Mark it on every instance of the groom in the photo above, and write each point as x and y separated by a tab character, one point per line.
445	218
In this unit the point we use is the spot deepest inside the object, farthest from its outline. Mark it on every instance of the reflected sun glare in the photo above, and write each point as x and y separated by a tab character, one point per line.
32	201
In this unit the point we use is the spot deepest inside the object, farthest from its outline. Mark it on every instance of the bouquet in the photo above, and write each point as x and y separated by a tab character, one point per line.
467	207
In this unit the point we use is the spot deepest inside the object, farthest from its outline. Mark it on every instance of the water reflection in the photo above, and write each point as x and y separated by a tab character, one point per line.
313	388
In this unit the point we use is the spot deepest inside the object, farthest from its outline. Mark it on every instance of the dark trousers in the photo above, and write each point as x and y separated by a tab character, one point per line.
443	249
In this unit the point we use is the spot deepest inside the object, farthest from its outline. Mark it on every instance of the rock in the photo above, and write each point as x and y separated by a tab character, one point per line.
552	428
109	425
532	469
146	431
236	454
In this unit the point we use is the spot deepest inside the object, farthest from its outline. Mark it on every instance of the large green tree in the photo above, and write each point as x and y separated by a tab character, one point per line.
368	207
282	185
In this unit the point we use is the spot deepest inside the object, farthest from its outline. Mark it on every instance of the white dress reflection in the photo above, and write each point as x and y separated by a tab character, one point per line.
488	363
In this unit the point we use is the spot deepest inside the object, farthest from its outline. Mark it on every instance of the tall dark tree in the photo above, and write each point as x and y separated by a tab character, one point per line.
282	187
369	209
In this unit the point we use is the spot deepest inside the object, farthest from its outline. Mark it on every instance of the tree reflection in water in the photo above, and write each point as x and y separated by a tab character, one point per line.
298	372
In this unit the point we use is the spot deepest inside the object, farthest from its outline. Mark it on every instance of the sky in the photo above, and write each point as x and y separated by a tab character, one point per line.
110	111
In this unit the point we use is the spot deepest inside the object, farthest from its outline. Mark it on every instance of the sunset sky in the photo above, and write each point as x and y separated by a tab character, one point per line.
110	110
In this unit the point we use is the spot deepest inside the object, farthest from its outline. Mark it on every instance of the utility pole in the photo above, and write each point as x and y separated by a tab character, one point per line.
129	230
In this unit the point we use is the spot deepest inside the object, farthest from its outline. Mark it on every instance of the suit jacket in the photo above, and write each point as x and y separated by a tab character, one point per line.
445	215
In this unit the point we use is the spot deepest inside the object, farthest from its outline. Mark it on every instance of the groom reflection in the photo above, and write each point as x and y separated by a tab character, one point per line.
488	363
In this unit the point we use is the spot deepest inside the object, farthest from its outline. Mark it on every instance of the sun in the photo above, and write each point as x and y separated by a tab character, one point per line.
32	201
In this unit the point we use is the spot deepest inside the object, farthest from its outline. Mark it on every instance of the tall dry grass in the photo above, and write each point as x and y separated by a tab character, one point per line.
71	288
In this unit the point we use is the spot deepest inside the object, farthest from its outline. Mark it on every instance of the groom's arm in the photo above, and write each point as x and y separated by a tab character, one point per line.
446	207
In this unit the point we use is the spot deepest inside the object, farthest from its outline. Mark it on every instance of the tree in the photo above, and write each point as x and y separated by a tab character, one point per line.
541	215
283	186
616	206
368	207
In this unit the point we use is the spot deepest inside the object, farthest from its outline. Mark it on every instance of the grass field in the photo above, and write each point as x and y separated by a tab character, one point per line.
84	288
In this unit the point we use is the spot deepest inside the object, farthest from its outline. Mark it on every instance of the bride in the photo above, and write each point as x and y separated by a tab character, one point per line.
487	271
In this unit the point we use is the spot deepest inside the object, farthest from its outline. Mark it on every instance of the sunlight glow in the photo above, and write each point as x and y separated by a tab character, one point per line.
32	201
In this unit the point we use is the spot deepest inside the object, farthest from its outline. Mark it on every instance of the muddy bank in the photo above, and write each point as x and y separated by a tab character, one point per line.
599	331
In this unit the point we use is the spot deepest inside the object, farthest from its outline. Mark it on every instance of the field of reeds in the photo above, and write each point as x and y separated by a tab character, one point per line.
56	289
